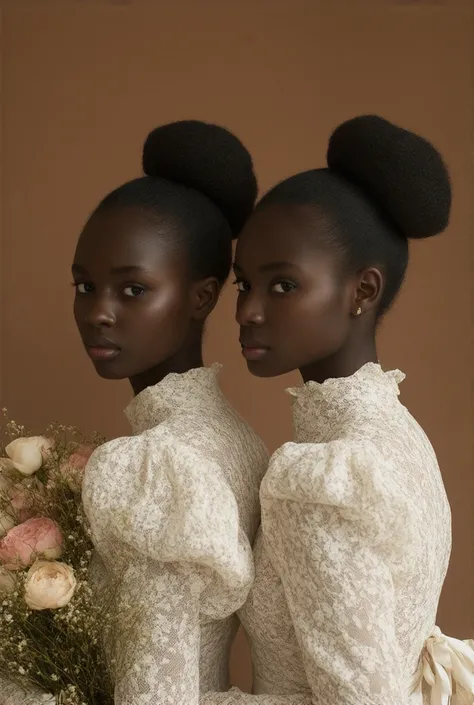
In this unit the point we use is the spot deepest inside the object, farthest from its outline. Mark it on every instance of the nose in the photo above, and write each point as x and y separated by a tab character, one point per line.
250	310
101	313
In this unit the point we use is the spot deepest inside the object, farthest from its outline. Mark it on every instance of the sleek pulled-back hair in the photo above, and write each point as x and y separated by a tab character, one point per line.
383	185
200	178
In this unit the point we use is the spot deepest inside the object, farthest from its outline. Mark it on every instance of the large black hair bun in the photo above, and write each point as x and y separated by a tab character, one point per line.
209	159
400	171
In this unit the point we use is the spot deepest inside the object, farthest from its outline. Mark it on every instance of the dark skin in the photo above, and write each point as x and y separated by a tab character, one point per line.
138	309
297	308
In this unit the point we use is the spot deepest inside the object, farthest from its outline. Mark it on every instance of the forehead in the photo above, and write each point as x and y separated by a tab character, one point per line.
119	237
281	232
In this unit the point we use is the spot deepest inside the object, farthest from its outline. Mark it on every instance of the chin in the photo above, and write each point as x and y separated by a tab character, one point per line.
108	372
260	369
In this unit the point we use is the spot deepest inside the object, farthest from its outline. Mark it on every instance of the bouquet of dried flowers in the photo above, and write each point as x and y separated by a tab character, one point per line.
51	625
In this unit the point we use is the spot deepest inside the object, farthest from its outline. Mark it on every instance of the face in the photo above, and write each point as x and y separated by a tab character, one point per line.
135	302
294	307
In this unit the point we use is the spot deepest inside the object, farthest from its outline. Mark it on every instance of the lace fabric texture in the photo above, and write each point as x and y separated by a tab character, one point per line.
353	552
349	561
174	510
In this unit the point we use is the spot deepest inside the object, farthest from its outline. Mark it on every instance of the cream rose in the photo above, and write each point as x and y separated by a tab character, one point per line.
49	585
7	581
28	454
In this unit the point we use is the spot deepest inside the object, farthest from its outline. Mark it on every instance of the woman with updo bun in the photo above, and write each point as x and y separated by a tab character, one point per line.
356	525
174	507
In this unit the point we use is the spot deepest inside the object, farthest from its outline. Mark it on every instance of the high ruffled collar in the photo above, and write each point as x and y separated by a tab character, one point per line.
320	408
174	394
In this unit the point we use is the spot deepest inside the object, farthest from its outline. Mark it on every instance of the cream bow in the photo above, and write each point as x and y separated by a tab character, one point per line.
448	668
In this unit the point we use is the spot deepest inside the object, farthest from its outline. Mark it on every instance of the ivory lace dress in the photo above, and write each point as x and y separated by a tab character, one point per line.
351	559
174	510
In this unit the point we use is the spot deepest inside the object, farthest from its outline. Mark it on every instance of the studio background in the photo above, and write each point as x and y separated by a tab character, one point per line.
83	82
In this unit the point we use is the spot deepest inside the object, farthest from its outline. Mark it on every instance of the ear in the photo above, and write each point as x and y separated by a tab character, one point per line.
204	295
368	291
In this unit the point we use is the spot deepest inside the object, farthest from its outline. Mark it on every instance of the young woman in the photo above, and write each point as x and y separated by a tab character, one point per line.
356	528
173	508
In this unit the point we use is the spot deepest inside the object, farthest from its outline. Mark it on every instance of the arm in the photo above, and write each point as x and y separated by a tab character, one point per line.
162	665
157	656
330	521
166	527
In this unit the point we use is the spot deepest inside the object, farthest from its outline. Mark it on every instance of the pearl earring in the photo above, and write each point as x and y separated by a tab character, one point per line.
359	311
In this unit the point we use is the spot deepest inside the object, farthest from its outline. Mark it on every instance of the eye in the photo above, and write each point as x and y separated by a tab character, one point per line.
83	287
134	290
283	287
242	285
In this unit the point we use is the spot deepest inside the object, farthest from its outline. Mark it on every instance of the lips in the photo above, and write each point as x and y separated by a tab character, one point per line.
101	349
252	349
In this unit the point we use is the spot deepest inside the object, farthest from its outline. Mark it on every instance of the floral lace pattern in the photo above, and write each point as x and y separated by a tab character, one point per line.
355	543
173	511
350	560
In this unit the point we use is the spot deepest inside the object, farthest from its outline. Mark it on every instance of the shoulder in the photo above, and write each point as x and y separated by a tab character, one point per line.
157	491
154	497
351	477
123	462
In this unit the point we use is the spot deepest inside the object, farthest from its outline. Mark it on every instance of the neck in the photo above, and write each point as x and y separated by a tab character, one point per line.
187	358
344	363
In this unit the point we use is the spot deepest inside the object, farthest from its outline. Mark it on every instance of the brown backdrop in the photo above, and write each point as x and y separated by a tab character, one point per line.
83	82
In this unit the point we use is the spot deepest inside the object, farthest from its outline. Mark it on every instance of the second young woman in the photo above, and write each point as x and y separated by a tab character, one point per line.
356	528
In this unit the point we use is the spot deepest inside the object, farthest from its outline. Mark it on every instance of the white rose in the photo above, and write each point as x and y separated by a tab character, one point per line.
7	581
49	585
27	454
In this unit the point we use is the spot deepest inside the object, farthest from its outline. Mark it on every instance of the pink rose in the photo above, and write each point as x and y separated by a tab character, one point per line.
73	468
33	539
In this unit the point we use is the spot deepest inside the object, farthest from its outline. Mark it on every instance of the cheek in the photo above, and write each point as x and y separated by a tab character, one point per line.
161	314
318	306
79	311
317	319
